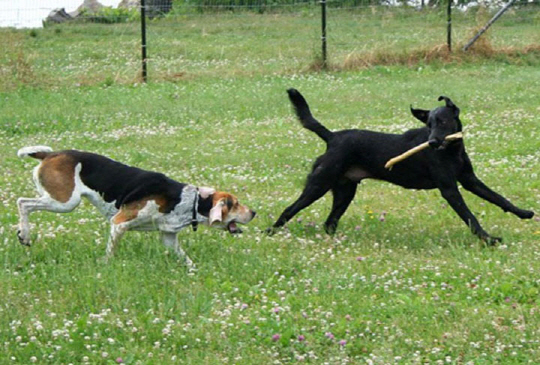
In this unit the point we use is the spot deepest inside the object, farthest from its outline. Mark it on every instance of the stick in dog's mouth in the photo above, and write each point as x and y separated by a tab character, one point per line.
420	147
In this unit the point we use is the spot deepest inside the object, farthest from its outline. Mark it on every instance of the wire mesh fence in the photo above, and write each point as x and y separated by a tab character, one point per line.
245	37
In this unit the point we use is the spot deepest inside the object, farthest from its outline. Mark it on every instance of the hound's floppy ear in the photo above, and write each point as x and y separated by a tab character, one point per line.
205	192
216	213
449	103
420	114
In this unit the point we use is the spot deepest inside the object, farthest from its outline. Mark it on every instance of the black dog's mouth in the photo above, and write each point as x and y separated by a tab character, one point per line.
438	145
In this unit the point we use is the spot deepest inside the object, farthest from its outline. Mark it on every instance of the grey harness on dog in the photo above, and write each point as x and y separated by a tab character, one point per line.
184	213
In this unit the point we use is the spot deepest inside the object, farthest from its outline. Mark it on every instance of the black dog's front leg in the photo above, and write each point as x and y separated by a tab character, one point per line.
452	195
477	187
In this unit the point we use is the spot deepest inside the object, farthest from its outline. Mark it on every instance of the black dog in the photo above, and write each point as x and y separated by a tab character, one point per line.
354	155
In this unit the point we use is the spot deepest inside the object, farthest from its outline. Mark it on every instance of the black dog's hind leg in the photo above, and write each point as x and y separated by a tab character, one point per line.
472	183
310	194
343	193
450	192
322	178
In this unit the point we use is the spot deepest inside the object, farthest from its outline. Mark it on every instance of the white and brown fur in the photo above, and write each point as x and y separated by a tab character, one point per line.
129	197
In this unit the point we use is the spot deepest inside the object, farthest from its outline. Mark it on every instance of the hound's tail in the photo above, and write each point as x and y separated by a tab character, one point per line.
39	152
304	115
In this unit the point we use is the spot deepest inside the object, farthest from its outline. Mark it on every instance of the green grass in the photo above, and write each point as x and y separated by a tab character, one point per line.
414	287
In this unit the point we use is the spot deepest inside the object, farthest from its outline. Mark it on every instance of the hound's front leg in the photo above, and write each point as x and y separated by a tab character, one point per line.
117	231
171	240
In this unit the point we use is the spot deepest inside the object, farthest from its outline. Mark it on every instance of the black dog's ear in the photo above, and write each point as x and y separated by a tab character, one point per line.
420	114
449	103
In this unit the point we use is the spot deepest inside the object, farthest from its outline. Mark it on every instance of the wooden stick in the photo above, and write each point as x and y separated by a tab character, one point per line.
420	147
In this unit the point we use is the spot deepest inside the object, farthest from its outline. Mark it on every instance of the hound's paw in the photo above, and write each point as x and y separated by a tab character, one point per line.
191	269
23	239
104	260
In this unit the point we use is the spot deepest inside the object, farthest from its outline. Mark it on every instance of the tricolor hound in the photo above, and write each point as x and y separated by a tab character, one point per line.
130	198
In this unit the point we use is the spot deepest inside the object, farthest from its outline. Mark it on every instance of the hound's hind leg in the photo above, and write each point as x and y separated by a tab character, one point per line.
29	205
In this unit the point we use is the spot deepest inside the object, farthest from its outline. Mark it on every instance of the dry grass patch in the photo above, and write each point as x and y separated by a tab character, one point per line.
16	64
482	49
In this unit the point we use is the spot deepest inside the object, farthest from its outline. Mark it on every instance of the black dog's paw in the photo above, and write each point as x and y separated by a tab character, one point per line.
270	231
22	241
330	228
492	241
525	214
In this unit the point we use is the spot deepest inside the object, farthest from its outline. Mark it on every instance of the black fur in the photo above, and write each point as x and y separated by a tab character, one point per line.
124	184
204	205
353	155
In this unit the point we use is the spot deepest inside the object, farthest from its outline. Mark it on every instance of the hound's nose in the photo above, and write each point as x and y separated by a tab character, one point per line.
253	214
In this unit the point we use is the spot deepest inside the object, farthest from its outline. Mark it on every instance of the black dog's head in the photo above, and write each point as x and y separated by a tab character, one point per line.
441	121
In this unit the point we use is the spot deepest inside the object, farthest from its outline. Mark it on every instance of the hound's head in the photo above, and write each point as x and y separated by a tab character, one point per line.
223	210
441	121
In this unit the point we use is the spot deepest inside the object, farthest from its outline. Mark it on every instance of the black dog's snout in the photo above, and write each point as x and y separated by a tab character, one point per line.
435	142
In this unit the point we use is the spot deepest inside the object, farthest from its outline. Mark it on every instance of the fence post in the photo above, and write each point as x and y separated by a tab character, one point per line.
143	39
323	37
492	20
449	26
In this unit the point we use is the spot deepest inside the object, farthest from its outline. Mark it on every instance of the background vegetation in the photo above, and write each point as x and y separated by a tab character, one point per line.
244	44
403	280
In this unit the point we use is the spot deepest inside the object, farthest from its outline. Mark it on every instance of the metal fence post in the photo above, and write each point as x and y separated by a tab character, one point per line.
492	20
143	39
323	37
449	26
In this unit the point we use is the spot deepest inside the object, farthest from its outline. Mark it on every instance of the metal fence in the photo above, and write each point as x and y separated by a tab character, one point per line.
214	37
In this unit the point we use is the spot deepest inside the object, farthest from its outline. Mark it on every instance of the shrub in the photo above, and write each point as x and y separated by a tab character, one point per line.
111	15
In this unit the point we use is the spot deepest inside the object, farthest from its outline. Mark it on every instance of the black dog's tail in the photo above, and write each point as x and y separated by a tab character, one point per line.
304	115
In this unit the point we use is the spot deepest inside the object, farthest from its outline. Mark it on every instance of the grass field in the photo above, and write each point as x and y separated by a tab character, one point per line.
402	282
